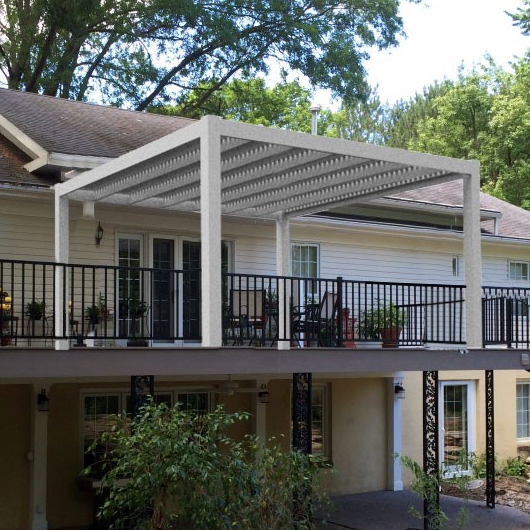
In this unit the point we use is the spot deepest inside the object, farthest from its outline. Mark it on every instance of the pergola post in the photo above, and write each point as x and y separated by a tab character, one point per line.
301	412
210	190
473	259
283	253
62	251
431	459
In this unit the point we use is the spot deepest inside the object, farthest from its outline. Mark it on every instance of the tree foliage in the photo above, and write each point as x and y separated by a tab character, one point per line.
136	52
180	470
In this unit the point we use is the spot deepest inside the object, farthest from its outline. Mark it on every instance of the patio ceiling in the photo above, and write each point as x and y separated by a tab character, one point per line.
265	172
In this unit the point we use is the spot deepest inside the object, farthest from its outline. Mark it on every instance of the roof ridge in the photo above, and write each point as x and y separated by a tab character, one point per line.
93	104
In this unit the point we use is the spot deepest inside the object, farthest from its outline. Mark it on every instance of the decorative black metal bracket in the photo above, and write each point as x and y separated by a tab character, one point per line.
431	463
301	412
490	441
142	386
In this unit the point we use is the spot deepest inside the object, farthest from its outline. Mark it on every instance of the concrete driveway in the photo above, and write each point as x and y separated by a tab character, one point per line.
388	510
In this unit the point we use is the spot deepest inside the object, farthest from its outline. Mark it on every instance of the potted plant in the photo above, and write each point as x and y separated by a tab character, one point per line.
383	322
93	314
137	311
272	300
35	310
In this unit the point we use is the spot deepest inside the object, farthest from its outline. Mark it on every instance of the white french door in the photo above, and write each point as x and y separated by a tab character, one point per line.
457	425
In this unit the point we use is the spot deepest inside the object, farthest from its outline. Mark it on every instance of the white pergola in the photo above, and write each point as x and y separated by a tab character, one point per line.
218	167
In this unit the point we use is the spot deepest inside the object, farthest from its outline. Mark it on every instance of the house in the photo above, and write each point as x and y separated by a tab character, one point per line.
213	262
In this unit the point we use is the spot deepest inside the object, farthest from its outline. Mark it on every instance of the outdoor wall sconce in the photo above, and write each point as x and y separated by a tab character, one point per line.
99	234
399	391
43	402
263	394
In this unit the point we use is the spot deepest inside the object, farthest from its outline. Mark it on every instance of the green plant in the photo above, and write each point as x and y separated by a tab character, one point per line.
35	309
272	296
184	471
93	314
381	317
138	308
515	467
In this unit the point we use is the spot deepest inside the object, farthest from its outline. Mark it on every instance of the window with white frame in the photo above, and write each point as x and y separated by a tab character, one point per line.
304	260
523	409
100	411
518	271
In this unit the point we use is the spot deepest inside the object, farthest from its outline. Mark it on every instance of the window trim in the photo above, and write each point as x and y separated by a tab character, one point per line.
519	262
517	383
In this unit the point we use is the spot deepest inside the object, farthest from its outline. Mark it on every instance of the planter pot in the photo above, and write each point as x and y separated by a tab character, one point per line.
5	341
138	343
369	344
390	337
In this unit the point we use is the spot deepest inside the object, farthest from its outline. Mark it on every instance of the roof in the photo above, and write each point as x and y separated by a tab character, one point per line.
12	172
515	221
79	128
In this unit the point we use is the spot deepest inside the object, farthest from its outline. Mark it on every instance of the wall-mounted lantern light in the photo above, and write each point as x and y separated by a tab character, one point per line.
263	394
43	402
399	391
99	234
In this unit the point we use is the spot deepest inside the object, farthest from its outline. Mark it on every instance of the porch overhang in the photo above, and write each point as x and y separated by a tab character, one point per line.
265	172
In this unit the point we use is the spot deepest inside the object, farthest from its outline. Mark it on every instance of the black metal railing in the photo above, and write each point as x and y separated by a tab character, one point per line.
118	305
337	312
506	316
125	305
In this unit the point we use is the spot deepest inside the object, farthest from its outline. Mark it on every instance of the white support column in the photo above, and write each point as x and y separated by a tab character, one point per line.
39	462
473	259
283	257
394	479
211	302
62	235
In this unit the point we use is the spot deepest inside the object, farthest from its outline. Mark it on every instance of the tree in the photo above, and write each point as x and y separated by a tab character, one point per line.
183	471
136	52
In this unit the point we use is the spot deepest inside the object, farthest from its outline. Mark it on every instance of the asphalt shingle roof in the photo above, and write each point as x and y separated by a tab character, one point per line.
78	128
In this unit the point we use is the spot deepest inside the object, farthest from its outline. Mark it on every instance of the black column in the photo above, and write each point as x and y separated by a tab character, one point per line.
431	462
490	441
301	412
142	386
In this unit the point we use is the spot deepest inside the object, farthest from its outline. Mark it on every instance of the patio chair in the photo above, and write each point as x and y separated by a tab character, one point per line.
316	322
248	314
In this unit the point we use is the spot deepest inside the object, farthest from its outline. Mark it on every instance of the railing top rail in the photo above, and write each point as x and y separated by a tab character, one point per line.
334	278
93	266
508	288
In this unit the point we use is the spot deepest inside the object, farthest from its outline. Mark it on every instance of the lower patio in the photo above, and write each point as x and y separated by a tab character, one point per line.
363	511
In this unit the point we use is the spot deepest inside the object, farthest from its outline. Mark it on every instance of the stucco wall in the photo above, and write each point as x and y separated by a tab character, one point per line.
15	443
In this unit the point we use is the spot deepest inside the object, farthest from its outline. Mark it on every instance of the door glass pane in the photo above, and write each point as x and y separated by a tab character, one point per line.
456	434
191	264
163	289
129	285
523	410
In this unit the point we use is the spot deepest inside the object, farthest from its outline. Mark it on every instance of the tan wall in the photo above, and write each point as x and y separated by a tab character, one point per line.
505	411
15	443
358	431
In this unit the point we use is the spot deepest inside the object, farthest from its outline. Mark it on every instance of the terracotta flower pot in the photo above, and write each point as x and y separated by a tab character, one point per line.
390	337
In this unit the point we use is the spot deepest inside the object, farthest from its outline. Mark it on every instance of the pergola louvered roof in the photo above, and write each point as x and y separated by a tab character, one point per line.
265	172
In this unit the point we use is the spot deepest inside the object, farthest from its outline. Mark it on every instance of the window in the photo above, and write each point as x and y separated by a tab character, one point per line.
518	271
523	410
304	260
99	411
97	419
456	265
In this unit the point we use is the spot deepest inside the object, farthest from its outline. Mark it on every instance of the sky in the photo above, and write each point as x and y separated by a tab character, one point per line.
441	34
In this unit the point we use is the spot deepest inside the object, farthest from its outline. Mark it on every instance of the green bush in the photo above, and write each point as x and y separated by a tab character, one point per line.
515	467
184	472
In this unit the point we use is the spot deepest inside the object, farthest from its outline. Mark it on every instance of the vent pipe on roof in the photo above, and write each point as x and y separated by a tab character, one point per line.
315	109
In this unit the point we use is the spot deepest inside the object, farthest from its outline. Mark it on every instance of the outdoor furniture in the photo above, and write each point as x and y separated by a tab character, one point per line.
316	322
248	314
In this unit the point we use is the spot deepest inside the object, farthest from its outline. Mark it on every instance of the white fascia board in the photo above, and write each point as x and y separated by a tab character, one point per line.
346	147
21	139
130	159
65	160
447	209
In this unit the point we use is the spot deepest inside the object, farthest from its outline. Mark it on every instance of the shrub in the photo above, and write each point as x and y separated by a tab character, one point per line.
515	467
184	472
